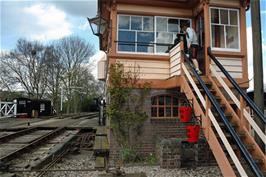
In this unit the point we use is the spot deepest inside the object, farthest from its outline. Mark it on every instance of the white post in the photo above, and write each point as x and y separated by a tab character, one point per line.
15	108
5	109
0	108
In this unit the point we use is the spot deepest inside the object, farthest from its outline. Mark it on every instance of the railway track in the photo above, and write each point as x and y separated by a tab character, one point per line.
39	148
44	154
15	123
22	142
40	161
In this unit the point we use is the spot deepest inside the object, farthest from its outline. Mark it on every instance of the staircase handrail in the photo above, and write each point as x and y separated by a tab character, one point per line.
252	105
247	115
216	126
231	130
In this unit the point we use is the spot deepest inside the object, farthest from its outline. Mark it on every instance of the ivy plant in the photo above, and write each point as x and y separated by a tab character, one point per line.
126	106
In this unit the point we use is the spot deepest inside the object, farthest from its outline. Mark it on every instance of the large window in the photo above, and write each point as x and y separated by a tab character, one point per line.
147	34
164	106
225	29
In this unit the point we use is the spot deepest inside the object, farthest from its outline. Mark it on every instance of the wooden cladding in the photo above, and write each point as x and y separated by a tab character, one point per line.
147	69
175	61
233	65
151	10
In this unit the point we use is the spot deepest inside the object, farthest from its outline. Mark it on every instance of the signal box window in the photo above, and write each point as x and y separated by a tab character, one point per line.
147	34
225	29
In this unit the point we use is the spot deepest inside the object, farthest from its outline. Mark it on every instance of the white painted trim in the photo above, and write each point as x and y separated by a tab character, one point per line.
237	102
155	31
216	125
238	26
227	145
194	85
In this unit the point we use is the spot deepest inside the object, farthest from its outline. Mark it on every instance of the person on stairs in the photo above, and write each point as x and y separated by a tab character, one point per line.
192	45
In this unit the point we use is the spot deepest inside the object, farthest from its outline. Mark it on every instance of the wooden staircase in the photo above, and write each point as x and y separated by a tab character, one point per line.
226	128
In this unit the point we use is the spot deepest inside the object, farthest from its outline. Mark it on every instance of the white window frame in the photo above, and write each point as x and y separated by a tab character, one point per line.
238	26
155	21
42	107
155	30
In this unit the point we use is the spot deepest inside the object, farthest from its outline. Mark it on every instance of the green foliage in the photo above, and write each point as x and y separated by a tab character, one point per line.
151	159
126	109
129	155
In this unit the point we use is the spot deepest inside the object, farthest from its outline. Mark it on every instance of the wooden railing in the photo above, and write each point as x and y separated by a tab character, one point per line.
203	108
207	120
241	116
175	60
241	107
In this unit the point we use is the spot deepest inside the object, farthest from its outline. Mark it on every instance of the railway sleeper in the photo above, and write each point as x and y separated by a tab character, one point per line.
53	153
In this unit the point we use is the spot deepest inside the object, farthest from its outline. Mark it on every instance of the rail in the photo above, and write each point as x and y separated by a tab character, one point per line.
217	127
237	102
36	142
236	86
229	127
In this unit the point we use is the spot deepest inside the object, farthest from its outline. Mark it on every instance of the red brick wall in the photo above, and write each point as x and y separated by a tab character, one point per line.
156	129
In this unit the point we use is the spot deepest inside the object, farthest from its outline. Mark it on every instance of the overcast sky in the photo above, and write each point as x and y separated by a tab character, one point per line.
48	20
45	20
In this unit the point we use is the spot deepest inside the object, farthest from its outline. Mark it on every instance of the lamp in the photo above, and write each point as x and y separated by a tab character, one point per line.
98	25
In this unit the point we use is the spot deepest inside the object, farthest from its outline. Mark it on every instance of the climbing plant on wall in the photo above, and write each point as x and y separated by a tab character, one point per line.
126	108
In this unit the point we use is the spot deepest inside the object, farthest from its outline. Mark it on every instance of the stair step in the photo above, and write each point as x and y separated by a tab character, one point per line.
233	124
101	144
228	135
234	147
258	160
227	115
211	90
99	163
264	173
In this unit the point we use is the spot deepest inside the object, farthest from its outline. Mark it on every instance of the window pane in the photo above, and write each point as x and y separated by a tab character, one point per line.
136	23
224	16
214	16
173	25
123	22
233	17
161	100
168	112
144	40
168	100
148	23
154	100
127	39
163	38
161	112
154	112
218	36
175	111
161	24
232	40
161	48
175	101
145	48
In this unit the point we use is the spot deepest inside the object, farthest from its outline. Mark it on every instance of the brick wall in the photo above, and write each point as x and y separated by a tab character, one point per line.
156	129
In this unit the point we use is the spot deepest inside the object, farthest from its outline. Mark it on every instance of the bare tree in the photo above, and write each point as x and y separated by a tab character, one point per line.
25	67
54	75
86	87
41	71
74	52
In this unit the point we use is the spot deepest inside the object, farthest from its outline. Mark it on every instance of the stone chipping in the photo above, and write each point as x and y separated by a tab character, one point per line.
86	160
